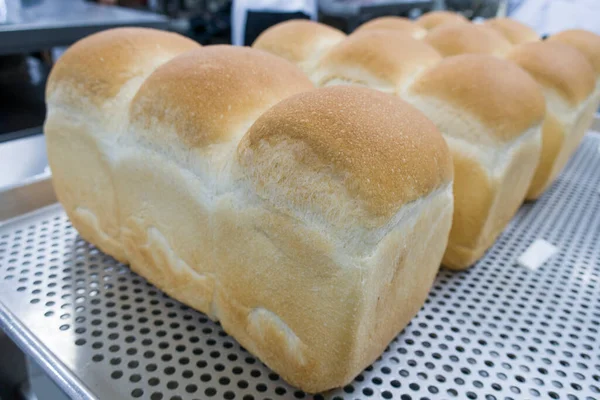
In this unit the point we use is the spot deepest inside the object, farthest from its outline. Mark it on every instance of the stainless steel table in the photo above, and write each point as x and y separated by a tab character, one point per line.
44	24
496	331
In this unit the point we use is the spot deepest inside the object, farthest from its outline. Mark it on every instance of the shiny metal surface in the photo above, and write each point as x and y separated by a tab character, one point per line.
42	24
496	331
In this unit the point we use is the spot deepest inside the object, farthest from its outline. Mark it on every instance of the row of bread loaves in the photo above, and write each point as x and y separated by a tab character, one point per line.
512	108
310	222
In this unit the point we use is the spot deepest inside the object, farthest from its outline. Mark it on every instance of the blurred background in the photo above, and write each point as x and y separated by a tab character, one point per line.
34	33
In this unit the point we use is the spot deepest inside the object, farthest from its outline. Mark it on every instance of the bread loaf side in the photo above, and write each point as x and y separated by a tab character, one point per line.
588	44
88	94
568	82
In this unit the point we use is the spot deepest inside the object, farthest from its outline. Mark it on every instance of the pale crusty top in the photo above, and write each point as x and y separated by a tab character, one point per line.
455	39
499	93
558	66
385	152
208	94
99	65
397	24
434	19
513	31
586	42
387	55
298	40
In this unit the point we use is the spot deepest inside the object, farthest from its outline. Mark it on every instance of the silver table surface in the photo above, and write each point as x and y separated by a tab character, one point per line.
495	331
42	24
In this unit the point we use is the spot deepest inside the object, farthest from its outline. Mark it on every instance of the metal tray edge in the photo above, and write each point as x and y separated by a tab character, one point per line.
28	343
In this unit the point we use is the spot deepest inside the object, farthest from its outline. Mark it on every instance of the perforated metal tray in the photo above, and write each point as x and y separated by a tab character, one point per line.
496	331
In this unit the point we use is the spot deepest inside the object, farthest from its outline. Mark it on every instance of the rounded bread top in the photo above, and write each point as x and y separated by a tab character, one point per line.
383	151
389	56
498	93
557	66
434	19
298	40
513	31
397	24
586	42
210	94
98	66
455	39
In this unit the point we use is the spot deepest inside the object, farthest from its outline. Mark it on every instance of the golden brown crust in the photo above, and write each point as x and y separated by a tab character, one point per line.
396	24
98	66
500	94
389	56
485	204
434	19
586	42
513	31
210	96
457	38
298	40
557	66
386	152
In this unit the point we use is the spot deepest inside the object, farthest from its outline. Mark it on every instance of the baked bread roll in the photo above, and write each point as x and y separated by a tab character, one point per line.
311	223
384	60
461	38
568	81
397	24
489	111
434	19
87	94
513	31
299	41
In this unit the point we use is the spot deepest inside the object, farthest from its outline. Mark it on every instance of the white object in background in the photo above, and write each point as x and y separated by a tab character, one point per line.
537	254
552	16
57	52
241	7
10	11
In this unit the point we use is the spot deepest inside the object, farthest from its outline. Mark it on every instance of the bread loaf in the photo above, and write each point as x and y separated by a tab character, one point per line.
588	44
310	223
566	77
397	24
434	19
513	31
568	81
489	110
